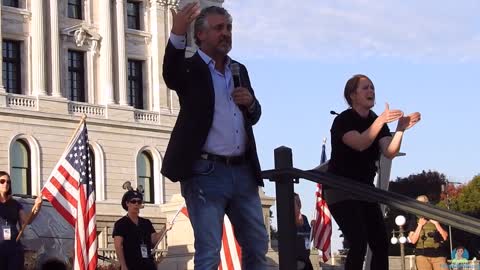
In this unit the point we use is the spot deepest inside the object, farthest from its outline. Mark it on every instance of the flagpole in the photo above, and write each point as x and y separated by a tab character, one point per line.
315	199
84	117
30	217
33	212
171	222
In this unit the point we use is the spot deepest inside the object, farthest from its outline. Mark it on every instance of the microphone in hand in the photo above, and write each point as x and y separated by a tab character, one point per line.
237	80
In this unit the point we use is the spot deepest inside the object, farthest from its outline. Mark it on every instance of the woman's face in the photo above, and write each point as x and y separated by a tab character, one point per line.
134	205
4	183
364	95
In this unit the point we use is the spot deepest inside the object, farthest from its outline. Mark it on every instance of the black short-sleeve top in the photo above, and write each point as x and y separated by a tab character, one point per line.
134	235
348	162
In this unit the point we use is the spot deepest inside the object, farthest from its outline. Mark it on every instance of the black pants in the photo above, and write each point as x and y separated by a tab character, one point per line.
361	223
11	255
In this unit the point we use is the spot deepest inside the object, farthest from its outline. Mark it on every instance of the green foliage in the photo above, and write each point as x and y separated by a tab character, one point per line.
468	199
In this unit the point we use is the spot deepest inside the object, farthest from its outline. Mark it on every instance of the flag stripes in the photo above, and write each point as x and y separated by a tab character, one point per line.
70	190
230	254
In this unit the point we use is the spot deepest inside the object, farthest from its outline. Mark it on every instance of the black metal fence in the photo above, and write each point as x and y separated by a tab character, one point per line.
284	176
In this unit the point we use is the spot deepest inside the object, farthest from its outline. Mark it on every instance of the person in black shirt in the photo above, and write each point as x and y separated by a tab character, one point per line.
358	136
134	236
302	244
12	215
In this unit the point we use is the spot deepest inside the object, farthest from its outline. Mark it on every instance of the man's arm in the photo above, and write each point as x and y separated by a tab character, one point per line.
413	236
174	58
440	229
158	236
118	243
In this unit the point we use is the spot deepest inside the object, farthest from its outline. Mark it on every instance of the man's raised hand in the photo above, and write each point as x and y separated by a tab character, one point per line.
184	17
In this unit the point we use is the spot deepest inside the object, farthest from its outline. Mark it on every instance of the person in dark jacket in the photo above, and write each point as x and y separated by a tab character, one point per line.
212	148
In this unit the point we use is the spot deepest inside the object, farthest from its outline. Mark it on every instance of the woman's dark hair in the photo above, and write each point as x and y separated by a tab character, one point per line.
53	264
3	173
352	85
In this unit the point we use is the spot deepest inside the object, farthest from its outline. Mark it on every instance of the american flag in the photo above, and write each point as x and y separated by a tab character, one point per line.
322	230
70	190
230	254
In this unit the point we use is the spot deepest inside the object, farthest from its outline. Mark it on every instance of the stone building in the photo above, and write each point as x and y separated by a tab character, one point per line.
101	58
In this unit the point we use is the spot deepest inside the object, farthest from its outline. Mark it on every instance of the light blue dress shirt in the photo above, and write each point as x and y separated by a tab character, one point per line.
227	136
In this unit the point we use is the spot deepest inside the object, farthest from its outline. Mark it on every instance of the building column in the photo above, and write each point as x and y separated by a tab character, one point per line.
122	55
154	54
106	54
55	50
2	88
38	49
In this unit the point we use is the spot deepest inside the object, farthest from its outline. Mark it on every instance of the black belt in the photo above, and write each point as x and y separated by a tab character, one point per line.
232	160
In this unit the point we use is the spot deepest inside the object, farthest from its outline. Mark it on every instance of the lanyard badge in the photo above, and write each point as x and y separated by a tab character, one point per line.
6	232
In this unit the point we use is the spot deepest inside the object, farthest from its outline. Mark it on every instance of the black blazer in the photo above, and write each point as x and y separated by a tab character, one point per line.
191	79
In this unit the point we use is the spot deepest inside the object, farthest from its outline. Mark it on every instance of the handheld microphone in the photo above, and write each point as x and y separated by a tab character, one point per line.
334	113
237	80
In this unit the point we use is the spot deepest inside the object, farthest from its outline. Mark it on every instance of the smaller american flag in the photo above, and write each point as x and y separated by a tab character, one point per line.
230	254
70	190
322	230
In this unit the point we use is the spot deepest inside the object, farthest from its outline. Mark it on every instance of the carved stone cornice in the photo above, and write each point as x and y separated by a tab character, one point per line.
167	3
84	35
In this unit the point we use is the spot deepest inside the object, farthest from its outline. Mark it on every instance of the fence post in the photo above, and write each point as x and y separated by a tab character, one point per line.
285	210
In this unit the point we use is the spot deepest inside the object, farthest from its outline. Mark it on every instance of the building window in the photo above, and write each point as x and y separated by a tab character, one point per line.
75	9
145	176
76	70
10	3
21	168
135	84
11	66
133	15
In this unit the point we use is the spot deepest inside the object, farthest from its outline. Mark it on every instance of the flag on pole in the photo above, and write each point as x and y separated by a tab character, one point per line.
70	190
230	254
322	229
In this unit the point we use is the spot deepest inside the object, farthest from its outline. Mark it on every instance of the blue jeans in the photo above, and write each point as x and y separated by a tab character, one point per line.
217	189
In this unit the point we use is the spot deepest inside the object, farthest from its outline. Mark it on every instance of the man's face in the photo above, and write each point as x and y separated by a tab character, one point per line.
217	38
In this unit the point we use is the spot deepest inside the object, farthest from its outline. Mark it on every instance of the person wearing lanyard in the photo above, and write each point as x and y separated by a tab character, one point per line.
11	215
135	236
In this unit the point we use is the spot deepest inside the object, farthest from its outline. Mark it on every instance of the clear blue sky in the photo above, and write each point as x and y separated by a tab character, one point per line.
421	55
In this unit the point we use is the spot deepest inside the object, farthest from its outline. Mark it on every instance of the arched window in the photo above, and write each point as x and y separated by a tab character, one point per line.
20	169
145	176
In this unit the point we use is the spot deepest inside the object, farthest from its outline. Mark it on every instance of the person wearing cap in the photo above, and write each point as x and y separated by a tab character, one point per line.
134	236
428	236
12	217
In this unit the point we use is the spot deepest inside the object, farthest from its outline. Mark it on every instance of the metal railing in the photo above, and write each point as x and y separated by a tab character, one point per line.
284	176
